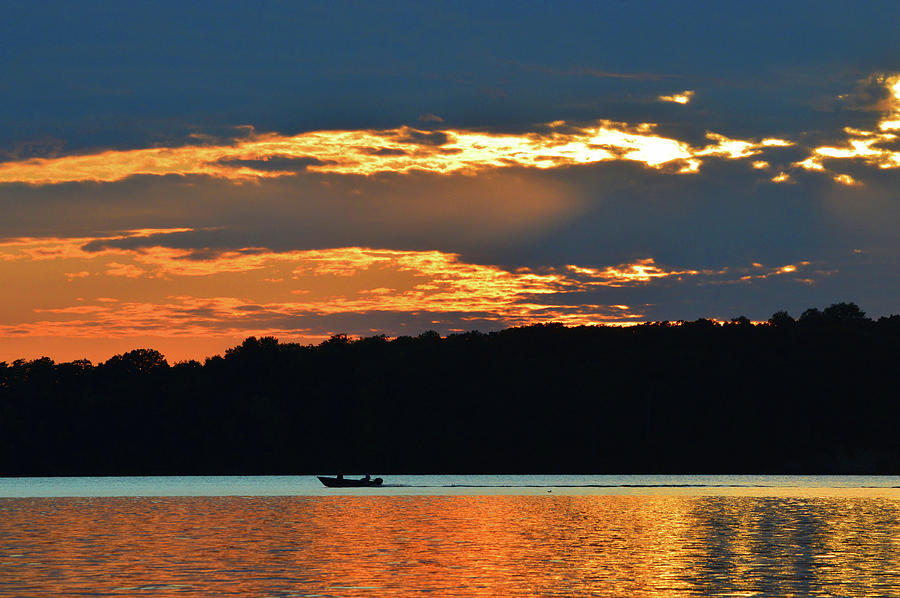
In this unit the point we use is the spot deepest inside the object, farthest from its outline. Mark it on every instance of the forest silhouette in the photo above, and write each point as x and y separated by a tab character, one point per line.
816	394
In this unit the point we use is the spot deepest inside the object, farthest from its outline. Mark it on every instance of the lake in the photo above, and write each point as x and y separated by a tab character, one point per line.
451	536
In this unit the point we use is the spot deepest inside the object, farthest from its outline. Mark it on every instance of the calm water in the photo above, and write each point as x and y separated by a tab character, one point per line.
452	536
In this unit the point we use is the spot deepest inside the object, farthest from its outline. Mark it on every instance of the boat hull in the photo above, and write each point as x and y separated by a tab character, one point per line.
349	483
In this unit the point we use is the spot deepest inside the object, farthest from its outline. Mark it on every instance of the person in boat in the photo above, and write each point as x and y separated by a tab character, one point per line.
368	478
340	476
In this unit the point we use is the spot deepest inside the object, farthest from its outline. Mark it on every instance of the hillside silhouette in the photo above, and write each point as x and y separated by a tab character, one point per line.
816	394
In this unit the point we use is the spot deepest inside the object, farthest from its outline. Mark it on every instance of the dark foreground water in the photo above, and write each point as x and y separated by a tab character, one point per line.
533	539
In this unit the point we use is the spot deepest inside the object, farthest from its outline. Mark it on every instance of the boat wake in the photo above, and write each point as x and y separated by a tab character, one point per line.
550	486
576	486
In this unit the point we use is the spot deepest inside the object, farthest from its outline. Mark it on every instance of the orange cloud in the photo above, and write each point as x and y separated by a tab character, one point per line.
120	292
126	270
781	177
846	179
760	272
643	270
405	149
402	150
864	145
679	98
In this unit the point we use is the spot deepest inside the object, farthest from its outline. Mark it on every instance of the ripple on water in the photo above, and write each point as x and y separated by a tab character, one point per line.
450	545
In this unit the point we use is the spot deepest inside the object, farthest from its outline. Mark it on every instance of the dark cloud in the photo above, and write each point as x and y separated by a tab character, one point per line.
42	148
871	94
278	164
202	245
434	138
593	215
309	211
586	71
249	308
292	68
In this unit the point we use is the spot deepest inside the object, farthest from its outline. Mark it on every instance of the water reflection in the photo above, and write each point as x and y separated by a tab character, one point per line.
450	545
802	546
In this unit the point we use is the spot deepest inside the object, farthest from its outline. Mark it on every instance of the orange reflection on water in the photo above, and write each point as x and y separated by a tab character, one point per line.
504	545
450	546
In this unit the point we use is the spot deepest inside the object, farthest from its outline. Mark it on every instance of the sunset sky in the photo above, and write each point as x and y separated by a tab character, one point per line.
180	176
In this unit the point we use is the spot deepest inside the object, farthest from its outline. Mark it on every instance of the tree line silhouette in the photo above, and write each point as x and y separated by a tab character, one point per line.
817	394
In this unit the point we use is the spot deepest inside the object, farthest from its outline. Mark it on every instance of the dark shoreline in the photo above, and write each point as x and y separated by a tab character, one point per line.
818	395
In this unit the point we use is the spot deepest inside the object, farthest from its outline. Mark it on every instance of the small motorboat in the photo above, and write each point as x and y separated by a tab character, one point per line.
342	482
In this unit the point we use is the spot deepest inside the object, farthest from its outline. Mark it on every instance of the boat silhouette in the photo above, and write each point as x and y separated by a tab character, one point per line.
342	482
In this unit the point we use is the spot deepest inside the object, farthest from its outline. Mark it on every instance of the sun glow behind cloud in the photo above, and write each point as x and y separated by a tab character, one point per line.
367	152
405	149
866	146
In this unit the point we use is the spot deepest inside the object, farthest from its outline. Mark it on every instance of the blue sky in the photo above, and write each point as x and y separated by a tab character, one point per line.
120	72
